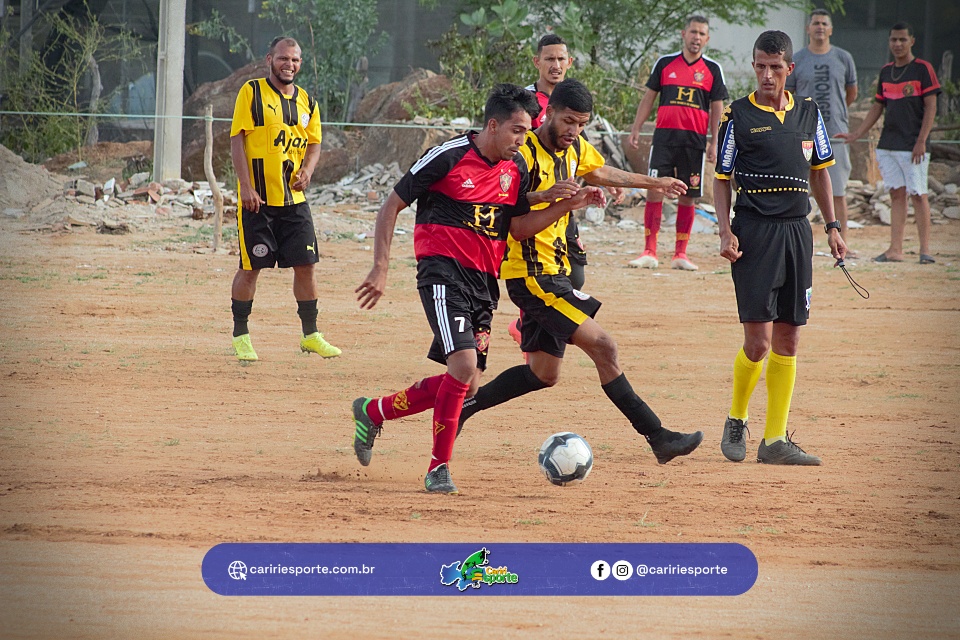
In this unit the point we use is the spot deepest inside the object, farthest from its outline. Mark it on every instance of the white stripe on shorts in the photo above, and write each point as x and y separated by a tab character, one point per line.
443	322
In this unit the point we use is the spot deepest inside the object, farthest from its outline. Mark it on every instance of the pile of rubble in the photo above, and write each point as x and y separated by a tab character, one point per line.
868	204
170	197
369	187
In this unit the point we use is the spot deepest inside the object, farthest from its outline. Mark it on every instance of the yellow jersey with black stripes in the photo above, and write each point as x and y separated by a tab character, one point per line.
770	154
277	130
546	253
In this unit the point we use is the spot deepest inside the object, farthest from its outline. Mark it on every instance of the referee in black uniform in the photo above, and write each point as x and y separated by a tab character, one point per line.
775	147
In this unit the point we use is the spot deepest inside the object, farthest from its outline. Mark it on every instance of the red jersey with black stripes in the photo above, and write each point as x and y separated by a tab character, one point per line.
686	90
901	91
465	203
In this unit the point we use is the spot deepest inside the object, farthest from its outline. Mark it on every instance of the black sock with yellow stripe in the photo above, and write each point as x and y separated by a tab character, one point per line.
640	415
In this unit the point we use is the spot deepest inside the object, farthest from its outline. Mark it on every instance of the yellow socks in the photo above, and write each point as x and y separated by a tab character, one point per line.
746	373
781	375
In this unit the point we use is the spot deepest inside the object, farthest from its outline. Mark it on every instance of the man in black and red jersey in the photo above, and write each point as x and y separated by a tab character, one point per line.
471	192
907	89
692	92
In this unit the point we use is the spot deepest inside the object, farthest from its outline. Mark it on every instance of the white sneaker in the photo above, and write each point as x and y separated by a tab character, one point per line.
681	262
645	261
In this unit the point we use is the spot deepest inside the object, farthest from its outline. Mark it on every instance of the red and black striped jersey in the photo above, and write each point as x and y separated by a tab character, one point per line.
901	91
276	132
542	100
686	91
465	204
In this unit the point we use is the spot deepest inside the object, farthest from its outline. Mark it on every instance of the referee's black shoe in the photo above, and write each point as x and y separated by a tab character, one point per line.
667	444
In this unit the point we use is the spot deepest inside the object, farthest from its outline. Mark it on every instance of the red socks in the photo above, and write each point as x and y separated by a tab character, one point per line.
446	415
652	213
420	397
685	215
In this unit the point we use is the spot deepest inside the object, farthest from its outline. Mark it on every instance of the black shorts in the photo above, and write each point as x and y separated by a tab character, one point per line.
774	276
281	236
552	312
458	321
682	163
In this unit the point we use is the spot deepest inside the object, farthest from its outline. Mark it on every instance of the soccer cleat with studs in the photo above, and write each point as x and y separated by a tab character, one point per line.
668	445
439	480
786	452
314	343
365	431
244	348
732	444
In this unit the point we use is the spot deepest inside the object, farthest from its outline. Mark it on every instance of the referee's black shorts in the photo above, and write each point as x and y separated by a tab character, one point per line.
552	311
774	276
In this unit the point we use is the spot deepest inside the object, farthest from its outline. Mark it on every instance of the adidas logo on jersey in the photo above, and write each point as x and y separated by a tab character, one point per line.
467	184
673	74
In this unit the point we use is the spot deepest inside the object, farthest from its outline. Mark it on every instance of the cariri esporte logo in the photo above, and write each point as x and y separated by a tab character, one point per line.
474	571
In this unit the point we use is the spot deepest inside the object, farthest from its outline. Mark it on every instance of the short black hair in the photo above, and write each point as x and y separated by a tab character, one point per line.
903	26
571	94
506	99
819	12
774	42
698	19
549	39
285	39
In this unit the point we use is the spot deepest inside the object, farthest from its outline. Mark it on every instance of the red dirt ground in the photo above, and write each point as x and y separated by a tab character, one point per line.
133	442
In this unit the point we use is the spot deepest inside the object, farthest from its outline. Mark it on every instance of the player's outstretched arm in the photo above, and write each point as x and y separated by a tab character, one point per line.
607	176
375	284
868	121
530	224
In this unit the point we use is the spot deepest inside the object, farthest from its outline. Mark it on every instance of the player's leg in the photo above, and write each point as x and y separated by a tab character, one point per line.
257	251
893	171
690	170
602	349
658	163
917	188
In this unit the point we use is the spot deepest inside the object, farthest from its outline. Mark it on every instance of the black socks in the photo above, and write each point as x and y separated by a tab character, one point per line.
307	310
241	313
641	416
512	383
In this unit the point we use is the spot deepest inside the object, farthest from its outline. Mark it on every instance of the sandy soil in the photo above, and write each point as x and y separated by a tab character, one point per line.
132	442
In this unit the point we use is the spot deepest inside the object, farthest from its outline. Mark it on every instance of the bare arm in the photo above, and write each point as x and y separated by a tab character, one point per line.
729	243
822	190
607	176
871	118
929	115
532	223
643	112
248	195
375	284
307	167
851	90
716	110
560	190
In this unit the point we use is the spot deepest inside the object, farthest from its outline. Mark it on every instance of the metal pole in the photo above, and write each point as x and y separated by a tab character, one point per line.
169	126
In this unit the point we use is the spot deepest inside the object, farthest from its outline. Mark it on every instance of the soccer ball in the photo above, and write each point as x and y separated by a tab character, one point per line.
565	458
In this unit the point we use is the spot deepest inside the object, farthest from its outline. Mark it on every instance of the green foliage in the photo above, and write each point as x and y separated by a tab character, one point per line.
334	36
60	86
214	28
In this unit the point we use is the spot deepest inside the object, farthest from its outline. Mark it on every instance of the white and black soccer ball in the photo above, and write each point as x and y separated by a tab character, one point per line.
565	458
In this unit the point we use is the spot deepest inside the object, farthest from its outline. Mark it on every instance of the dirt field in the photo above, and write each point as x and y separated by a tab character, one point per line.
132	442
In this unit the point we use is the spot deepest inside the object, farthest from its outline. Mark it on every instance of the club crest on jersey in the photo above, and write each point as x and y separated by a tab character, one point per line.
908	90
698	77
304	119
695	180
505	181
807	149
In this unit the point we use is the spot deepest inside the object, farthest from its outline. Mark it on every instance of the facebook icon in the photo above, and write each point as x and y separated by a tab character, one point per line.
600	570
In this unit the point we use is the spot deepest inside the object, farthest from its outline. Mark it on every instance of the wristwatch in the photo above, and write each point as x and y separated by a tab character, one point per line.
831	225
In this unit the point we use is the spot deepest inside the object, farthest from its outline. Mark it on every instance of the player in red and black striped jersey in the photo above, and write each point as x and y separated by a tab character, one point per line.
471	192
692	91
907	90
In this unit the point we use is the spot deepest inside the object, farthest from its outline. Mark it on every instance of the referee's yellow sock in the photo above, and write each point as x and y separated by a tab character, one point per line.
746	373
781	375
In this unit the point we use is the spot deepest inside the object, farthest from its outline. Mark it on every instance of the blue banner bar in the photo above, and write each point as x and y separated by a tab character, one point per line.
479	569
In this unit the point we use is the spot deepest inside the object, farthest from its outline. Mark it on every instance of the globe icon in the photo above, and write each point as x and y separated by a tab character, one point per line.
237	570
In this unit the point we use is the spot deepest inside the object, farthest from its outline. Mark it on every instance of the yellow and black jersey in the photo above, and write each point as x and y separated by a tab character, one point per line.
770	154
277	130
546	252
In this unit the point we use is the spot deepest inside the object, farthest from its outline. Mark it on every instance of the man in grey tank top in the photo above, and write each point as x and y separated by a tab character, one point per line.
827	74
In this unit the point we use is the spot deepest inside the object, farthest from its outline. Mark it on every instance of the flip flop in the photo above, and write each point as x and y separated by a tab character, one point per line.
883	258
926	259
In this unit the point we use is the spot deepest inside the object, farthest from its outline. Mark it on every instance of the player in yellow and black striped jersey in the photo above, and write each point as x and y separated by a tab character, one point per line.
275	146
536	273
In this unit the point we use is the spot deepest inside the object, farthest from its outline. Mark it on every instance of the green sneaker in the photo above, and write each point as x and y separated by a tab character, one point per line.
314	343
439	480
365	433
786	452
244	348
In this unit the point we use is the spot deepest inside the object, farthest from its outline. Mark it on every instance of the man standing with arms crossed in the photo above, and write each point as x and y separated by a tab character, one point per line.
275	145
827	74
692	92
907	89
776	149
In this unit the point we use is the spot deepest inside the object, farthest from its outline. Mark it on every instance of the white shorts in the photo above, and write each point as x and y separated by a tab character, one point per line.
898	170
840	172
